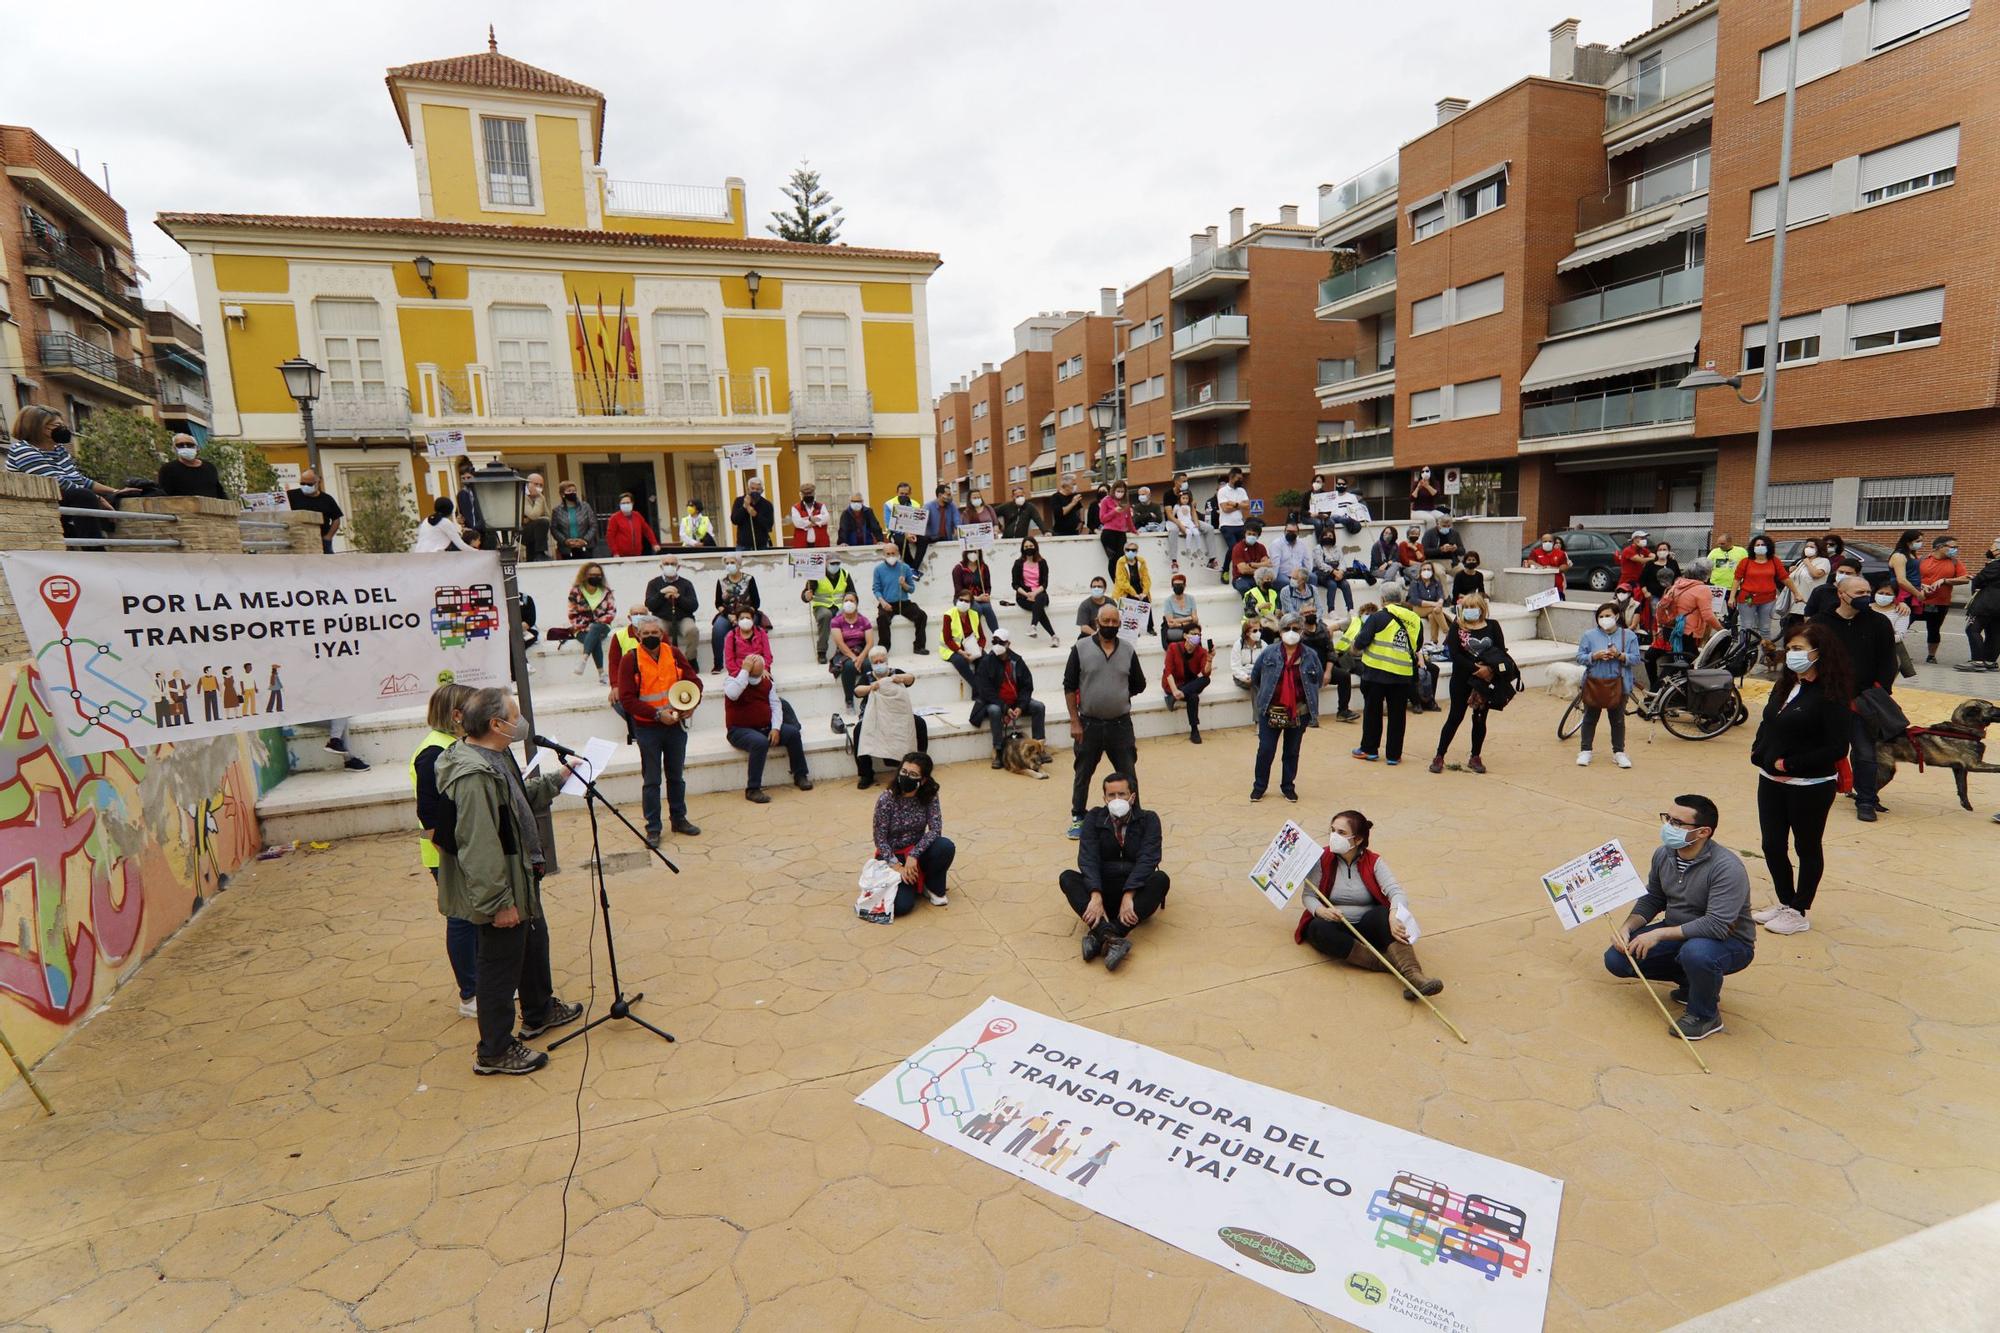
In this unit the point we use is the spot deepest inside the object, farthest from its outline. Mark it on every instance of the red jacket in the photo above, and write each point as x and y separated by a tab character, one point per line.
626	676
629	534
1183	663
810	533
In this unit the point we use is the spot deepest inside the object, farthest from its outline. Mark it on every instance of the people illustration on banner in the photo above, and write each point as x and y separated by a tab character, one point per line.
1045	1141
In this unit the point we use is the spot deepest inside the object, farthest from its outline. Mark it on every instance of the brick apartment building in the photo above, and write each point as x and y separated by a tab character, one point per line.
1567	250
1084	353
1027	398
954	435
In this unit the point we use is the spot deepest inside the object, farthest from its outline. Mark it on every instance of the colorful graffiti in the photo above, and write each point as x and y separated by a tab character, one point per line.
103	857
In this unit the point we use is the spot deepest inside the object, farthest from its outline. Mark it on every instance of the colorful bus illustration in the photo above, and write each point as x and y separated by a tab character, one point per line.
1475	1252
1425	1218
1492	1216
1381	1206
1409	1237
1425	1196
460	615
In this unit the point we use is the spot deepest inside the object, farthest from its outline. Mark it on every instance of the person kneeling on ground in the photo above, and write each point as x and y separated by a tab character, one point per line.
909	834
491	875
1003	694
1117	882
1357	882
1705	931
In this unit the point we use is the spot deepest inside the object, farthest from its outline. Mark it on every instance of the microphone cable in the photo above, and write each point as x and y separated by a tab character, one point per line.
590	1003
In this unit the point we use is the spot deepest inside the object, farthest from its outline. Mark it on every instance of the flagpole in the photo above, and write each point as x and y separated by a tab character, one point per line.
618	363
589	364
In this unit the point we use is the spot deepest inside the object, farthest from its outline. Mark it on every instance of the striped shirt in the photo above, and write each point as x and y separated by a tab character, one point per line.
53	463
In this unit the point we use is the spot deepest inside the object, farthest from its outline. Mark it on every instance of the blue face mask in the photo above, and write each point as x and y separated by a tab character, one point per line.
1798	660
1673	837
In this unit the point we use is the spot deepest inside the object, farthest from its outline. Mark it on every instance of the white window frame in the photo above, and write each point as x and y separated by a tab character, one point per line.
982	446
1424	223
531	183
1458	395
1804	188
950	423
525	366
1927	162
683	364
1798	342
1495	181
1433	306
980	409
1932	486
824	365
353	351
1877	44
1902	338
950	457
1437	412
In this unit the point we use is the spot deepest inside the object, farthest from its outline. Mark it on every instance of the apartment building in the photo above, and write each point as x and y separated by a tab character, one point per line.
72	326
953	412
1570	248
1145	364
183	370
985	396
1087	371
1027	401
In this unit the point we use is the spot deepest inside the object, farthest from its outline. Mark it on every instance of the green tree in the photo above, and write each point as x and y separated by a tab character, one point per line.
116	446
382	515
242	466
813	217
1289	499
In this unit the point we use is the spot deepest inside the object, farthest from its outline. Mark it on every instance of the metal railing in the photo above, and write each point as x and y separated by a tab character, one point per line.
1362	446
654	199
1230	259
47	250
351	411
1343	369
1678	179
1361	186
1644	89
253	542
66	349
1641	296
819	411
1377	272
115	543
1211	455
1224	390
1215	326
1607	411
664	398
175	394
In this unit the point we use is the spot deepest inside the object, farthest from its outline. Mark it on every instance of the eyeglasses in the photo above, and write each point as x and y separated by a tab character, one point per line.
1666	818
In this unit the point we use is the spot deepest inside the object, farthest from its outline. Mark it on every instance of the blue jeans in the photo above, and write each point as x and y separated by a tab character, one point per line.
1326	580
1242	583
461	945
757	744
1267	746
661	747
1698	964
996	717
718	632
593	638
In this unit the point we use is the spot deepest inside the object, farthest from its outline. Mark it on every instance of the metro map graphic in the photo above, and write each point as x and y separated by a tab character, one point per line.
98	707
921	1082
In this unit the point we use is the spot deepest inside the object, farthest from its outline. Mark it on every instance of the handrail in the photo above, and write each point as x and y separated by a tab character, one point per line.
67	512
1640	296
1364	184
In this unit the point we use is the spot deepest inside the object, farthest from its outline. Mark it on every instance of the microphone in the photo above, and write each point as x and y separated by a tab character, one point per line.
561	751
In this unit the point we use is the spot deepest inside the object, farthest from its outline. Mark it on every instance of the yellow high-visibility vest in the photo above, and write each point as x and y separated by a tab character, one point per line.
1394	651
437	740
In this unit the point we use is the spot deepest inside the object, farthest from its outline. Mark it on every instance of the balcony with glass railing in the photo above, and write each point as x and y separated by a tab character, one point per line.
1375	279
1650	86
180	400
1359	188
1681	178
1641	296
1214	336
1361	446
1615	410
1216	398
1219	265
1211	457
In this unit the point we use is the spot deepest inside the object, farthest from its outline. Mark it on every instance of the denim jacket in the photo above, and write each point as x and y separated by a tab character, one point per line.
1270	665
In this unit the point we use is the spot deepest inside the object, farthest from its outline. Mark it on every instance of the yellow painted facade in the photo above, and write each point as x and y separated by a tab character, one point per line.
759	343
449	279
891	352
886	298
252	273
770	293
266	335
437	335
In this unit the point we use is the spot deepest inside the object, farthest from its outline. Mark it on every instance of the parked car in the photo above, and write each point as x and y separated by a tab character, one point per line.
1874	559
1593	558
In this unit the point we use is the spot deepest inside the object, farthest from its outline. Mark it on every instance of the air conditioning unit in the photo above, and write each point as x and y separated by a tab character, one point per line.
41	289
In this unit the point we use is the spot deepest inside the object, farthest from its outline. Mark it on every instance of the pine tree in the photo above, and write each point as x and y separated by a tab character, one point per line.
813	217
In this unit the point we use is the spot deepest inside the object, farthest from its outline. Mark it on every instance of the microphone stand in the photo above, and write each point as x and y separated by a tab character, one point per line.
621	1005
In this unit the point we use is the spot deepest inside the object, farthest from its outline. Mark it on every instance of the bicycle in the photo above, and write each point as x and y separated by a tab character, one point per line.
1689	701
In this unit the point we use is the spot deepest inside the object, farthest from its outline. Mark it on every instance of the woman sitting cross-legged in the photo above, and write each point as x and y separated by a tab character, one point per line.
1358	884
909	833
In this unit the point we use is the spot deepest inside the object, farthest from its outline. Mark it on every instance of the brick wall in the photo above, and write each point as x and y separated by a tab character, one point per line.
1036	372
1142	302
985	389
954	408
1094	337
203	526
1278	371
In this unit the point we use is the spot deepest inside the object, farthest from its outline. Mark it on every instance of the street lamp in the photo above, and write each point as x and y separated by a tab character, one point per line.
425	267
498	489
302	383
1104	417
753	280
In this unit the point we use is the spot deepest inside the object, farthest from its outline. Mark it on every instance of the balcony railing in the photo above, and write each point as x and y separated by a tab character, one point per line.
1222	259
836	411
1360	447
652	199
1641	296
175	394
1202	395
662	398
1607	411
1335	370
1377	272
43	249
1215	326
1363	185
67	351
1678	179
357	411
1644	89
1211	455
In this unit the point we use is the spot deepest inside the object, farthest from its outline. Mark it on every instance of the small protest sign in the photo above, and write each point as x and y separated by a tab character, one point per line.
1134	614
1589	886
739	457
1283	868
976	536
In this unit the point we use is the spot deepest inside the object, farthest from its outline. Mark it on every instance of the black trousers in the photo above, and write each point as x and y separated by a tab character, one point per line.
1103	737
1461	704
886	613
1789	812
1381	700
1343	689
1038	610
1934	626
1192	688
1147	899
511	958
1337	941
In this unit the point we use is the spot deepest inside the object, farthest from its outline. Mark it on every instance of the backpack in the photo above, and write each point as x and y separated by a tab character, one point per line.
1506	682
1879	709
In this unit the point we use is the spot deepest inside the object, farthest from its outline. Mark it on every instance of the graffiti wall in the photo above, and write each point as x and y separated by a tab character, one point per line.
104	857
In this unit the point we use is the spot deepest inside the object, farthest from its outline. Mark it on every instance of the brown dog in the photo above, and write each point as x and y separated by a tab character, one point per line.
1958	745
1025	756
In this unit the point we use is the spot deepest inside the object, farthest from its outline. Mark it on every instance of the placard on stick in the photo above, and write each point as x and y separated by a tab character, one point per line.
1283	868
740	457
1590	886
908	520
976	536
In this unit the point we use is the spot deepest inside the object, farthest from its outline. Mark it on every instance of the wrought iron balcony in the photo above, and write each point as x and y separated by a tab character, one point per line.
348	411
65	352
44	249
833	412
653	199
666	399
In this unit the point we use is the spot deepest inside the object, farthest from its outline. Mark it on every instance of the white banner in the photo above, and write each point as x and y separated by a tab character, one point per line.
1588	886
1546	597
739	457
1285	865
148	648
1359	1219
910	520
1322	502
976	536
1133	615
444	444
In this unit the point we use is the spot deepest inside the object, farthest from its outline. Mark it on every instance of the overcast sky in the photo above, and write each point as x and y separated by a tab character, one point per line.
1044	149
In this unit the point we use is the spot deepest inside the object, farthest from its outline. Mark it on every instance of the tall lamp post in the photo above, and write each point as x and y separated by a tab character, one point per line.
499	490
1104	417
1766	396
302	383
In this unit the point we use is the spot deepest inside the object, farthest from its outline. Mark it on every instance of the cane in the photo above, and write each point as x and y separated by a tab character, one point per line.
1391	966
26	1077
1671	1026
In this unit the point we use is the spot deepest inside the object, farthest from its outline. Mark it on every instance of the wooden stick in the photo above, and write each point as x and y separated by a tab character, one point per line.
1672	1027
1391	966
26	1077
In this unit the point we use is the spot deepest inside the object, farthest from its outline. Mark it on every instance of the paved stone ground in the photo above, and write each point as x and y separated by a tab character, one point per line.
276	1126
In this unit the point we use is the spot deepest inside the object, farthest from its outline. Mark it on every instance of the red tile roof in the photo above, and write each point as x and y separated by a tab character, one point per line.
551	235
490	69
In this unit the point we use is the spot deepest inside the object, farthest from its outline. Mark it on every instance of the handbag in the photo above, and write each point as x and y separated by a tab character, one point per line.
1604	693
877	900
1279	717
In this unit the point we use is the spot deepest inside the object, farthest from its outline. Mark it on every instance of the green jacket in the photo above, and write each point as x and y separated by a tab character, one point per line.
488	872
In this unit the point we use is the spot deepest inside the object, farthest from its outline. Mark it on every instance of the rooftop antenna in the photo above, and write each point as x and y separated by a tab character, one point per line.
492	42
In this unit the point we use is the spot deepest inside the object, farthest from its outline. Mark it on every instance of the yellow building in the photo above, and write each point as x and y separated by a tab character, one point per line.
615	333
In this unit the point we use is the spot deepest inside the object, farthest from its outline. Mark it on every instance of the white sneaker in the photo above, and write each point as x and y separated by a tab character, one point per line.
1618	758
603	679
581	665
468	1008
1789	921
937	899
1763	914
1583	759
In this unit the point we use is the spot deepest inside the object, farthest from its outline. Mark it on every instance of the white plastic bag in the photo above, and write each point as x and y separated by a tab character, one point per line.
877	900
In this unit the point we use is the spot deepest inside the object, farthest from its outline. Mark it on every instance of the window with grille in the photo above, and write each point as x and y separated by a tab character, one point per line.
350	340
1894	501
823	354
1800	504
681	338
509	178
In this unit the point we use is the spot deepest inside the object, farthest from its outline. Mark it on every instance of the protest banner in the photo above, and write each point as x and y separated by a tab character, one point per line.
909	520
1134	614
808	564
1546	597
1586	887
1361	1220
1322	502
1718	602
149	648
444	443
739	457
266	502
1282	869
976	536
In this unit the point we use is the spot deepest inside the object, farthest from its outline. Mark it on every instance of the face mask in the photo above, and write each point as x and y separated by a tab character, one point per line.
1118	807
854	505
1193	640
1291	534
849	607
746	624
1339	843
1951	552
1256	535
908	781
1179	588
1429	574
1145	496
1030	551
806	496
1318	487
1471	564
1340	486
733	566
1548	546
832	567
624	506
1291	638
1097	591
1760	551
1671	836
1884	598
186	454
594	580
309	490
978	503
1268	635
1107	632
1797	660
1666	553
670	571
757	679
1811	551
1624	596
1607	623
964	604
650	640
1468	613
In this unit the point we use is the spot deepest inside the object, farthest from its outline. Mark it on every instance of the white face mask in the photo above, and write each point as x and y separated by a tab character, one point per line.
1118	807
746	624
1339	843
1811	551
309	490
854	504
849	607
670	571
1291	638
624	506
1607	623
733	566
1884	598
187	453
1429	574
1548	546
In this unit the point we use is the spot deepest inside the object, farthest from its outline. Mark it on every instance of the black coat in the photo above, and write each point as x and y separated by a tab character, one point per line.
1985	590
753	517
656	600
1098	848
1870	645
1809	732
986	675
